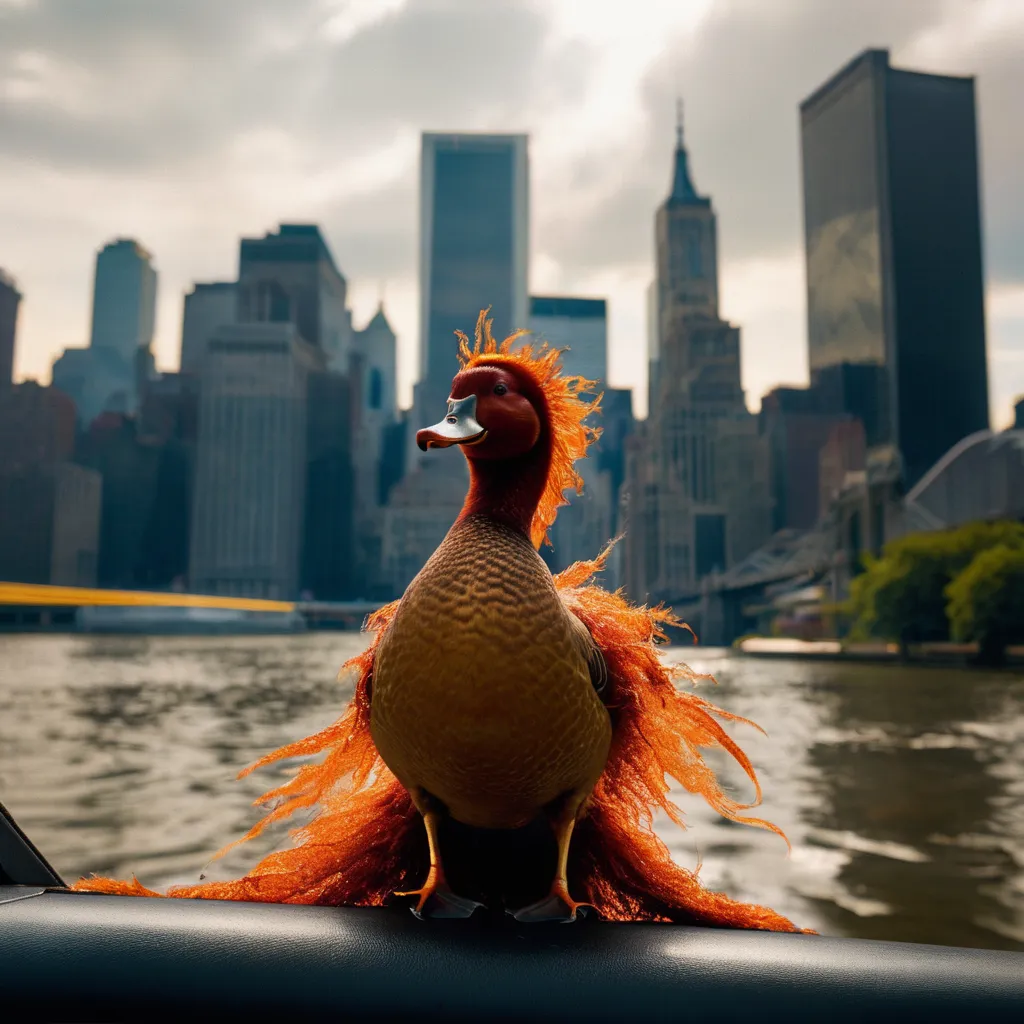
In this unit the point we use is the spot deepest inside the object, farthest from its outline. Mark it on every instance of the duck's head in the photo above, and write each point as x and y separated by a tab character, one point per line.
521	423
494	411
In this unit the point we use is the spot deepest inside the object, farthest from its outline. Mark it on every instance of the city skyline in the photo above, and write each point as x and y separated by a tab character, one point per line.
597	156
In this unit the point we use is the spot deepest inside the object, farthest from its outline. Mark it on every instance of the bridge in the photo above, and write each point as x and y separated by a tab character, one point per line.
32	605
724	607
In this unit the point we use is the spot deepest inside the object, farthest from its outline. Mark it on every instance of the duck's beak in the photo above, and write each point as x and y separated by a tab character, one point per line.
458	427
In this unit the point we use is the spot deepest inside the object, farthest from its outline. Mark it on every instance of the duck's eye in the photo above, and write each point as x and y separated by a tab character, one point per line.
500	389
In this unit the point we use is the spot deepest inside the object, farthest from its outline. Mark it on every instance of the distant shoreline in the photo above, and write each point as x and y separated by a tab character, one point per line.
959	655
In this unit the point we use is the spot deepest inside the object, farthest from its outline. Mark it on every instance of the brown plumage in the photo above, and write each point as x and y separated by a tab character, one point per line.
482	694
504	708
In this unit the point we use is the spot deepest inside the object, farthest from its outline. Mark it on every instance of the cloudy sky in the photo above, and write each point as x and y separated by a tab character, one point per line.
188	123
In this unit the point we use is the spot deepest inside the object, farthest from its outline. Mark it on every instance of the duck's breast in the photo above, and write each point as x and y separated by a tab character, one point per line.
481	690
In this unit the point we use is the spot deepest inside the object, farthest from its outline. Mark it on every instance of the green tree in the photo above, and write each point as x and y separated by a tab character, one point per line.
902	595
986	602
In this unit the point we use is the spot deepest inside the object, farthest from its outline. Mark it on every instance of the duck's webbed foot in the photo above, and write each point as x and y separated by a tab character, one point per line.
438	902
558	907
435	898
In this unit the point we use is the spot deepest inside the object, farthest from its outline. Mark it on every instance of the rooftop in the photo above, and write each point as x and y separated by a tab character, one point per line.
379	320
568	306
863	63
214	286
291	243
128	243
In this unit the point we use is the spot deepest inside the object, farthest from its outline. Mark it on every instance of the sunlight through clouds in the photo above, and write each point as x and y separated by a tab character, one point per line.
347	18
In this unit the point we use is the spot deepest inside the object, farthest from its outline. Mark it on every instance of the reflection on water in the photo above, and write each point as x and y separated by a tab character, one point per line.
901	789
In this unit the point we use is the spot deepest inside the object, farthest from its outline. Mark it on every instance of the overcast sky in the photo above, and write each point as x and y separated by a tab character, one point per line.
188	123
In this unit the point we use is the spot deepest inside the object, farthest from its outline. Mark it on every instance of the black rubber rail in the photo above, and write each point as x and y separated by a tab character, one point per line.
67	956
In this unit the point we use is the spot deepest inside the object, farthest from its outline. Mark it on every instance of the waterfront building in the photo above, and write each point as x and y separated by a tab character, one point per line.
843	453
250	488
49	506
796	428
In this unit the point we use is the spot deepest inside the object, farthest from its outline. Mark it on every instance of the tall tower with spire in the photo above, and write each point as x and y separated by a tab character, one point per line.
686	257
696	478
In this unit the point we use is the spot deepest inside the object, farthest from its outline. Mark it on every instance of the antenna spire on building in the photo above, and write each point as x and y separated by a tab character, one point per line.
682	190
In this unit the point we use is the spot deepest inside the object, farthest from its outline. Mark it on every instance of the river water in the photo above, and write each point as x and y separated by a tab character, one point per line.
901	789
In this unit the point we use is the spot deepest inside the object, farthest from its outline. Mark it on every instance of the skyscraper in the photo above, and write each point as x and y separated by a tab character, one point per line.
686	259
289	276
49	506
375	379
474	246
895	295
696	473
106	376
10	300
578	325
249	505
580	328
286	460
123	299
208	306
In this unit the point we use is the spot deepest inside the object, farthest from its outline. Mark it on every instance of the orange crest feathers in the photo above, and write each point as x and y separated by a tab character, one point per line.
566	411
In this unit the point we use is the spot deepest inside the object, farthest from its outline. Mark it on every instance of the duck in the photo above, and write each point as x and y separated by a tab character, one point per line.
486	686
512	733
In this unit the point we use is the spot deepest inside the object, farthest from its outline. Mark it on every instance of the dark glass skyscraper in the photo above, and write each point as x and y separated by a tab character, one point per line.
895	296
10	298
474	244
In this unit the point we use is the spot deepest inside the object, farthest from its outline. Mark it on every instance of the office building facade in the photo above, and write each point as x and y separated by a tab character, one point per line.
250	485
290	276
474	245
209	306
474	249
895	294
49	506
579	327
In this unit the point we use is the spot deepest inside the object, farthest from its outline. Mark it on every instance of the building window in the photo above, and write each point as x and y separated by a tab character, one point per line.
694	255
376	399
272	303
